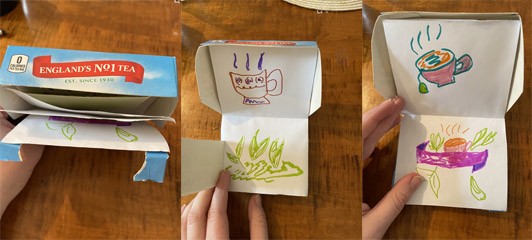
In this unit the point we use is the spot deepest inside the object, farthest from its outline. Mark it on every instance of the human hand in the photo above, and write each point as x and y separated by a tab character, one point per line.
15	175
379	120
205	217
375	123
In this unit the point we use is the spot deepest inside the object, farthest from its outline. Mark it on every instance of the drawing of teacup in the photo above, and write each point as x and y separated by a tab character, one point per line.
255	87
455	145
440	66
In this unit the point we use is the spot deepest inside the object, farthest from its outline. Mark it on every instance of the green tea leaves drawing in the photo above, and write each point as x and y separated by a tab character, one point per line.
475	190
67	129
125	135
433	178
258	168
240	147
257	149
482	138
436	142
275	153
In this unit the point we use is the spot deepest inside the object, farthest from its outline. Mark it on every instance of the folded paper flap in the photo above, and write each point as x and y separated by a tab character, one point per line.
133	74
205	79
258	80
15	114
516	87
201	163
153	168
14	100
315	100
71	132
382	71
10	152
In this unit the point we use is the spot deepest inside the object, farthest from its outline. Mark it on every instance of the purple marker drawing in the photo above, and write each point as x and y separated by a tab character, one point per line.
260	61
89	121
247	61
234	62
451	159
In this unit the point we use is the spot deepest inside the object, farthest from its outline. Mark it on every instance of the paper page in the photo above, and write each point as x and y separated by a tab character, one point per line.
261	81
453	67
463	159
266	155
43	112
201	164
69	132
120	104
40	104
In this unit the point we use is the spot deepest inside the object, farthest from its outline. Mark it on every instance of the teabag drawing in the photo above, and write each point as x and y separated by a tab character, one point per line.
457	153
437	66
254	87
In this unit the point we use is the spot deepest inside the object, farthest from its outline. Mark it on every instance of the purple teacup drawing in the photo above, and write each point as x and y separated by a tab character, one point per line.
440	66
255	87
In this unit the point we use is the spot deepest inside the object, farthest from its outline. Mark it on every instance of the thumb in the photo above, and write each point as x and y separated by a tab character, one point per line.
258	226
385	212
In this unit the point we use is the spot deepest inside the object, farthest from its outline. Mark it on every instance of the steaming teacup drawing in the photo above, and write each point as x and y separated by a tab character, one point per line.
455	145
255	87
440	66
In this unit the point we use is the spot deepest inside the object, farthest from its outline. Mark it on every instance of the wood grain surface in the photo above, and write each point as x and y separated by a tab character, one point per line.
332	209
79	193
454	223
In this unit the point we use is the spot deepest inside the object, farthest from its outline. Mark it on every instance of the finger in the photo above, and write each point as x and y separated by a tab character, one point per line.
184	216
183	209
258	226
217	222
197	217
365	209
371	118
378	219
382	127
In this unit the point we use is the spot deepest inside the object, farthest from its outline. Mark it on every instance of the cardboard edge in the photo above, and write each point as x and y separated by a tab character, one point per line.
205	79
315	98
153	168
10	152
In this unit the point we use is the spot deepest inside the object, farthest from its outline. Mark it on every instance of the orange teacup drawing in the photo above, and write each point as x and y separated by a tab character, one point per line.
455	145
255	87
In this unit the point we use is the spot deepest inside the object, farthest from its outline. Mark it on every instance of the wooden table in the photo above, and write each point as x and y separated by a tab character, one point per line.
332	209
452	223
89	193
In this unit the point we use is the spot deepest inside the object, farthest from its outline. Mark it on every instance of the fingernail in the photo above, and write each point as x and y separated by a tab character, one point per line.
258	200
224	173
183	208
416	181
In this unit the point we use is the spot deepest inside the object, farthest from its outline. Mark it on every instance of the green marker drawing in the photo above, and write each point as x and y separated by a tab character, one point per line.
67	129
433	178
261	170
477	193
126	136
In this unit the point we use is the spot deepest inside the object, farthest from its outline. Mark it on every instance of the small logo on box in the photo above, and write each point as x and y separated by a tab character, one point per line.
18	63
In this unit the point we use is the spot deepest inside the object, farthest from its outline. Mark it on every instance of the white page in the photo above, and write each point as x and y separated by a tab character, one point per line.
44	130
283	79
484	57
455	182
40	104
201	164
265	174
